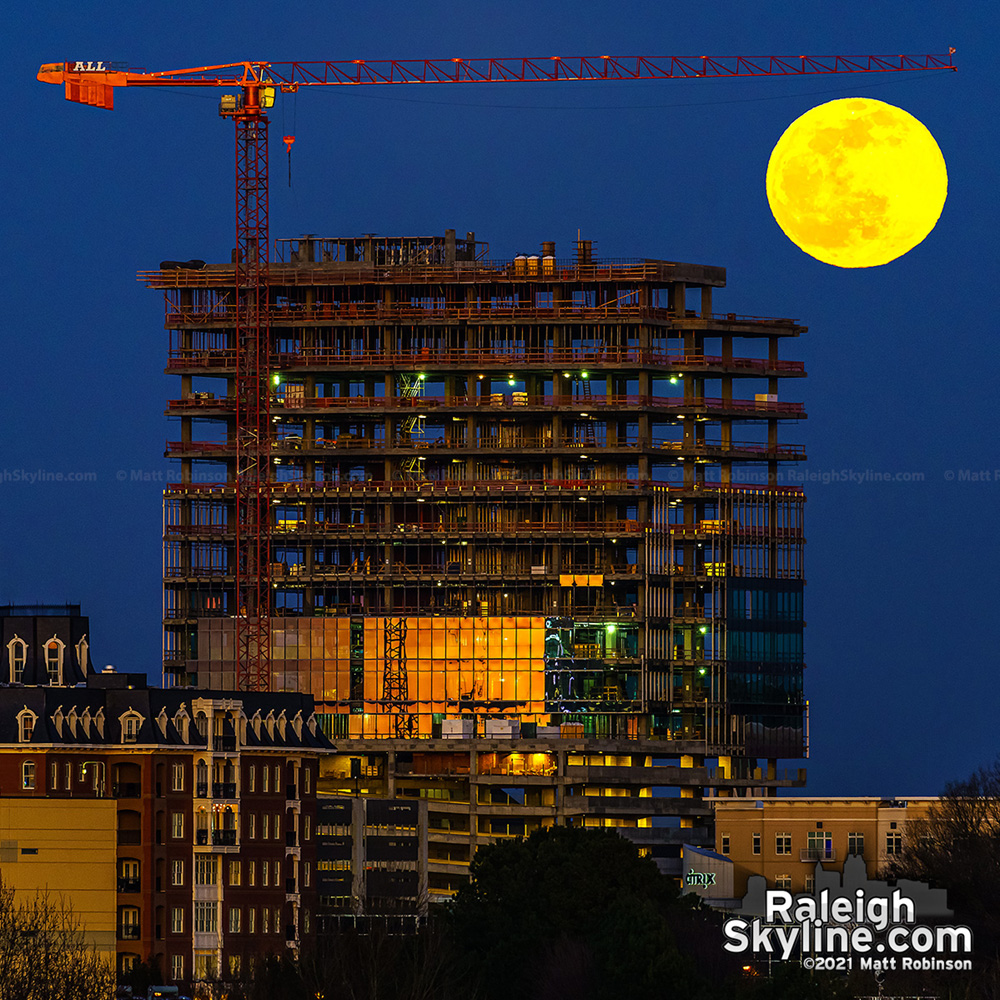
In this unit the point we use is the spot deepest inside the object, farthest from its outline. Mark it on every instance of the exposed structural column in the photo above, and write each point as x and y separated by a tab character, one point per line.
253	411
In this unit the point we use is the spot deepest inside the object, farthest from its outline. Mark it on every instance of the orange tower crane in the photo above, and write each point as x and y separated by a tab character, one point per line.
255	83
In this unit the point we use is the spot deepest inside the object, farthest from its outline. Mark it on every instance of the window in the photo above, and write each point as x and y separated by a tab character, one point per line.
54	660
820	845
724	843
252	919
176	919
17	655
894	843
277	826
755	846
277	873
306	922
277	921
204	965
234	872
130	728
810	883
26	726
782	843
265	825
253	777
307	779
306	873
54	783
266	774
176	872
129	929
68	771
265	873
855	843
82	653
253	826
253	872
265	919
205	871
28	774
177	825
307	825
783	882
234	965
206	917
234	919
277	777
177	778
176	966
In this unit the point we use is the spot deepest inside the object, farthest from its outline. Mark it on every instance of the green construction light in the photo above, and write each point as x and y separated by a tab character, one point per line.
673	380
703	629
584	374
701	671
611	629
511	381
276	379
421	377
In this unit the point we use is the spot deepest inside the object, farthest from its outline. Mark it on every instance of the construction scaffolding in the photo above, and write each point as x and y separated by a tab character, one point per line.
576	451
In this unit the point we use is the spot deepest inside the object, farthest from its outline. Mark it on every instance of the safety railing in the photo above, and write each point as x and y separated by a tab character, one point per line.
525	487
492	359
508	401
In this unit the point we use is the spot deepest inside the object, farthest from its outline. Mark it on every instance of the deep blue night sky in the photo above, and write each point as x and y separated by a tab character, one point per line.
902	603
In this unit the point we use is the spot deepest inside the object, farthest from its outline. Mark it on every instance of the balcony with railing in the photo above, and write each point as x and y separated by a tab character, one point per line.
817	854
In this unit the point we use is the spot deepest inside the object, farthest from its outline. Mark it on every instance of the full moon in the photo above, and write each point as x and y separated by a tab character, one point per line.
856	182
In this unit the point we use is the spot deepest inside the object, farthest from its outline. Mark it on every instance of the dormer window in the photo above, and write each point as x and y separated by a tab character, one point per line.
25	725
131	722
83	653
181	722
54	650
17	656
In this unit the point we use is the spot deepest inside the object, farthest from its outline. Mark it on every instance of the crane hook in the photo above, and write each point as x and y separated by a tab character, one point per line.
288	140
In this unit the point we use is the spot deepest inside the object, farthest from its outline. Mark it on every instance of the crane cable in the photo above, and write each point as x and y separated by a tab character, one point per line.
289	139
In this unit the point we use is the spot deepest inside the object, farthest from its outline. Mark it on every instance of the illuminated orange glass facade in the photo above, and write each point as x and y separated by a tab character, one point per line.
492	665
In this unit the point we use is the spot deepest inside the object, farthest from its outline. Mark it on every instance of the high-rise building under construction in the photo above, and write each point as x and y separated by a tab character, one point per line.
531	551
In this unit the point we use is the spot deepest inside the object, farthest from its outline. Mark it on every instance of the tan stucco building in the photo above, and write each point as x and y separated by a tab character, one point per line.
783	838
68	849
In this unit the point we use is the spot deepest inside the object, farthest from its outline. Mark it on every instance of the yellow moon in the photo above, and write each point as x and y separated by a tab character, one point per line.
856	182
